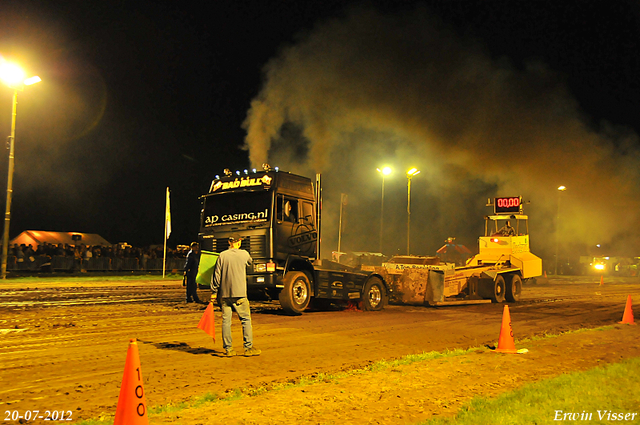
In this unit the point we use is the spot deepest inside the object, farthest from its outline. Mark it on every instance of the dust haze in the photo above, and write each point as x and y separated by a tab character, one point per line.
368	89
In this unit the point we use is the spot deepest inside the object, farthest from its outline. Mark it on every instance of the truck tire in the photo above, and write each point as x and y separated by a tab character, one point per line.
493	290
498	290
514	288
295	296
374	295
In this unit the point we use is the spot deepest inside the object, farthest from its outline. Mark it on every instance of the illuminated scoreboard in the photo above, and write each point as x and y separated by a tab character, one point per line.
509	205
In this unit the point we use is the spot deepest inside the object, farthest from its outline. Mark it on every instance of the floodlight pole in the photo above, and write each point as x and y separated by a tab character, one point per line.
408	211
560	190
7	214
381	214
412	172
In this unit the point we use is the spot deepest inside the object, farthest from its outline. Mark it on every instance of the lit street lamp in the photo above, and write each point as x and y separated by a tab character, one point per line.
14	77
385	172
412	172
560	190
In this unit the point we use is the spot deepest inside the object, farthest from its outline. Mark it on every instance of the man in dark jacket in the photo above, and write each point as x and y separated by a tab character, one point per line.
191	271
230	279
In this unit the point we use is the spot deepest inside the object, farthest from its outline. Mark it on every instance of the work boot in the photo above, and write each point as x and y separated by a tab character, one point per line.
252	352
229	353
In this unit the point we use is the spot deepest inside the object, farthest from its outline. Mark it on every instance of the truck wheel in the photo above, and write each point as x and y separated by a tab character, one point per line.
514	288
374	295
497	295
295	296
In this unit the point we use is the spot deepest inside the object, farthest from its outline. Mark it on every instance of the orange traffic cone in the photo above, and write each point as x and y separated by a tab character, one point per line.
545	274
627	317
505	341
132	403
206	322
601	280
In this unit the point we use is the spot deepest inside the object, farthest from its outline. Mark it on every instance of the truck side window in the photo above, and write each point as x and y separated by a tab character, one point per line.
291	210
307	212
287	209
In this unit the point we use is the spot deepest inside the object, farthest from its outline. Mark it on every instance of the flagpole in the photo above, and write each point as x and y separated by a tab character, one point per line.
342	196
167	216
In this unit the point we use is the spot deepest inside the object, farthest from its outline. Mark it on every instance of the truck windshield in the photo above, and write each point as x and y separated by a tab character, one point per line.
237	208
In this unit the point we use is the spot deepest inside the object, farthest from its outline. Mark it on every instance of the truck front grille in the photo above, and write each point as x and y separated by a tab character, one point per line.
256	245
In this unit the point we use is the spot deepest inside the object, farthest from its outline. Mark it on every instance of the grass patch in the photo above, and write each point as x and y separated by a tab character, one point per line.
167	408
613	388
576	331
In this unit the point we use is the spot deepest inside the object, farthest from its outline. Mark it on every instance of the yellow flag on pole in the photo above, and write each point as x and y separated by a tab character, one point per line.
168	217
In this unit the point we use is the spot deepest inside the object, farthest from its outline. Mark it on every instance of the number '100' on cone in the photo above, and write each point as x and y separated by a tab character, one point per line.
505	341
132	403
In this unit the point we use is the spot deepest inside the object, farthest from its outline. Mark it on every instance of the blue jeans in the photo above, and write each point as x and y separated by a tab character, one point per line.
241	306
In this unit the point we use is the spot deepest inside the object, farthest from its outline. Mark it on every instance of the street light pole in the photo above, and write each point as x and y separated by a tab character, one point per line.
14	77
7	213
385	171
560	190
412	172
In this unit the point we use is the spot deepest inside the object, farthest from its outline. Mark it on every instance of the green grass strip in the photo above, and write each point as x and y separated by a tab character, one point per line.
602	395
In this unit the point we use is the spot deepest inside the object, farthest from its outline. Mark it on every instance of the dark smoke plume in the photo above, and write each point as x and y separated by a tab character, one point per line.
369	89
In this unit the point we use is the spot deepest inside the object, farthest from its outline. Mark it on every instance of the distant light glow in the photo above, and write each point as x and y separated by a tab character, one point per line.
254	170
385	170
412	172
246	171
217	177
561	188
599	267
238	172
277	168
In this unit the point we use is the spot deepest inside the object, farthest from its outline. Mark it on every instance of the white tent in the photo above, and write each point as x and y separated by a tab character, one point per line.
38	237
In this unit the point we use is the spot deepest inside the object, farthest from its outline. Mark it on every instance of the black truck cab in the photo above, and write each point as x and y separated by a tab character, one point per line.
277	214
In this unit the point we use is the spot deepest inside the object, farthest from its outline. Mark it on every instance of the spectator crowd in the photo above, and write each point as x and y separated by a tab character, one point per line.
120	256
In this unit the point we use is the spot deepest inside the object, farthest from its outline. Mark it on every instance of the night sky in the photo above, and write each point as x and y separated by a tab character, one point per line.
138	96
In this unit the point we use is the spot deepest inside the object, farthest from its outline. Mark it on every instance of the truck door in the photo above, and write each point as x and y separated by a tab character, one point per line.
295	227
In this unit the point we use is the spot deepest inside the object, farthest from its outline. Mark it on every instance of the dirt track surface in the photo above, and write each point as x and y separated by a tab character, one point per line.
64	347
